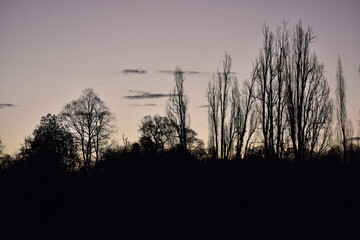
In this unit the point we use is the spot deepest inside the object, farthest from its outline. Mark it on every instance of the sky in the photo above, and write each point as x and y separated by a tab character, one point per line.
50	51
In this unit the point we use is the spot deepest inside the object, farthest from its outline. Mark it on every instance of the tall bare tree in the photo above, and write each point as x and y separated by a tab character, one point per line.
1	146
271	88
224	80
265	81
253	125
282	54
176	108
308	102
221	124
359	111
344	124
229	111
90	120
213	116
243	102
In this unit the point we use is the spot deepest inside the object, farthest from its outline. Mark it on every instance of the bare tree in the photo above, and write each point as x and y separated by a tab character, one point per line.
229	111
253	125
265	81
213	116
282	55
176	108
1	146
271	89
90	120
222	127
359	110
344	124
243	102
236	120
224	80
308	102
157	132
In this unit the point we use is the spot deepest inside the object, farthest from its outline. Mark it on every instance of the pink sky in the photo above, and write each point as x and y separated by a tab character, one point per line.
51	50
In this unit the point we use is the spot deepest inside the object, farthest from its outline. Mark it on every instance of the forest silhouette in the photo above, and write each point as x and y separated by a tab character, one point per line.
280	162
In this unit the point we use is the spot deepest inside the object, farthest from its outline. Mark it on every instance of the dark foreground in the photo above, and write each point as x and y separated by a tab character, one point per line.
178	197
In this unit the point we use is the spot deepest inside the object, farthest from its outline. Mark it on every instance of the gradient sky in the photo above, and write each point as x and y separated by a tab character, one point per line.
51	50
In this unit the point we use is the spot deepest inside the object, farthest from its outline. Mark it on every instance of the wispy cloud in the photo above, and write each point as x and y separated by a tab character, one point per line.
234	73
193	72
133	71
4	105
145	95
166	71
144	105
185	72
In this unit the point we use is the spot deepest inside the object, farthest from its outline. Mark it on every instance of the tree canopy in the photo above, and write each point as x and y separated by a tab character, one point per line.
51	144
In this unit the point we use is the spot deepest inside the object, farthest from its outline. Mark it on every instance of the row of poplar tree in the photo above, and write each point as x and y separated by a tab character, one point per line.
285	108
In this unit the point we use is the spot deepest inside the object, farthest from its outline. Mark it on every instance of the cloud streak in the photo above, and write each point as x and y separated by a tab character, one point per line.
4	105
145	95
166	71
133	71
193	72
144	105
185	72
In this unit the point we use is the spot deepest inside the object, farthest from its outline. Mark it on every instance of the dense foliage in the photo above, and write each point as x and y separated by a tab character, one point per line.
174	194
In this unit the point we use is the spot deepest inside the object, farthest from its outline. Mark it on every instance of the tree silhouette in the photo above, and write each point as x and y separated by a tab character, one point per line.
90	120
157	133
344	124
51	146
359	110
194	145
213	116
177	108
271	89
266	95
308	102
222	128
243	113
229	111
1	146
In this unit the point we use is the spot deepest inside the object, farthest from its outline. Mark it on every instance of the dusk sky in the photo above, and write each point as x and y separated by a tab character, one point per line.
52	50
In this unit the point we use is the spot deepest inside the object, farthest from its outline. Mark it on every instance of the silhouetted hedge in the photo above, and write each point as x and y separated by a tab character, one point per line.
174	195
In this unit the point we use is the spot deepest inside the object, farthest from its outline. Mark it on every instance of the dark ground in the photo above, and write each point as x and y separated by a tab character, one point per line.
175	196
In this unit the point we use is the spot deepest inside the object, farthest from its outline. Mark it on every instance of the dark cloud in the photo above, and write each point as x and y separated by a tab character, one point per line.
166	71
135	71
4	105
203	106
193	72
145	95
185	72
232	73
144	105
